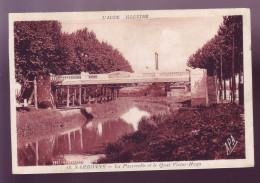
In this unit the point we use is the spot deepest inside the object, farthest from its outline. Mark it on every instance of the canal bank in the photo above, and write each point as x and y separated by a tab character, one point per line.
202	133
71	134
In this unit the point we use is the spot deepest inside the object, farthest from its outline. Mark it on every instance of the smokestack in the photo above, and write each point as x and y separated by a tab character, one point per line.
156	61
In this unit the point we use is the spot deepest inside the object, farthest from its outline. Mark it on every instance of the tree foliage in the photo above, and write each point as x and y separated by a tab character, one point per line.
36	48
221	45
42	48
95	56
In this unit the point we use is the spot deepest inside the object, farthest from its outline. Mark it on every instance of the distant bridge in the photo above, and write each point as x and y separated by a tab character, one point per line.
121	77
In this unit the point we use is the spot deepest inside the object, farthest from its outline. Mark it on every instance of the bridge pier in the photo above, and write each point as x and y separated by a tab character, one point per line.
96	95
85	94
75	94
117	93
112	94
61	94
79	94
68	96
55	96
73	98
101	94
107	94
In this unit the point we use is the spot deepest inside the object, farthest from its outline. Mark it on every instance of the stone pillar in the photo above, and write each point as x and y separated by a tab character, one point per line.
80	95
73	98
108	94
199	90
112	94
101	94
85	94
105	93
96	95
68	96
75	94
116	94
61	95
55	95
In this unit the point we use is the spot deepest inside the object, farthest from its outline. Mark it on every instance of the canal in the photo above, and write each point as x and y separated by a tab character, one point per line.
86	143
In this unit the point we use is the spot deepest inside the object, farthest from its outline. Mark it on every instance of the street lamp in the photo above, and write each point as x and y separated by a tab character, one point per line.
83	56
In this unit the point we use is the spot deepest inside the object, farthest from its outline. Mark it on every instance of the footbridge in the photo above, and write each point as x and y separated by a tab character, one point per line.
121	77
107	86
85	88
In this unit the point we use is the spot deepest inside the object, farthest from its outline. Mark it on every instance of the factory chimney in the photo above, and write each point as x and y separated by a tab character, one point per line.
156	61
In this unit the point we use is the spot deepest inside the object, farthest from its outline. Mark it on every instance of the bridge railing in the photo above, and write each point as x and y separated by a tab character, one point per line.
66	77
161	75
174	74
116	77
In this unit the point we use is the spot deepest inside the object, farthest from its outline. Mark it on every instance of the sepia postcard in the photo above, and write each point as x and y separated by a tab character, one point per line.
130	90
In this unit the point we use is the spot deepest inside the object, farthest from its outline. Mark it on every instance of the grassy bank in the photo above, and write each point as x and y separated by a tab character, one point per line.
37	124
191	134
153	105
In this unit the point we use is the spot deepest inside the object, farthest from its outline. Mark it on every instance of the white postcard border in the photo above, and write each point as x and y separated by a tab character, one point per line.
209	164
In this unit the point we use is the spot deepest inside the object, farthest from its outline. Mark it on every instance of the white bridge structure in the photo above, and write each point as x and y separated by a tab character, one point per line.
121	77
75	90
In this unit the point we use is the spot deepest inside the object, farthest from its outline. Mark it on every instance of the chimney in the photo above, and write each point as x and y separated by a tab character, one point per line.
156	61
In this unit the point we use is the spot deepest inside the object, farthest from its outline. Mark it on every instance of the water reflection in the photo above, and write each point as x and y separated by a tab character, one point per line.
79	145
133	116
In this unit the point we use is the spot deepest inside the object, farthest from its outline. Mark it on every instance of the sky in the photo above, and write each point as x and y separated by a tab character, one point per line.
174	39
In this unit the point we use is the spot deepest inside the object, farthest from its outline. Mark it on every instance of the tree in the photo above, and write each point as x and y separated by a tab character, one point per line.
42	48
70	63
36	48
97	57
232	32
222	56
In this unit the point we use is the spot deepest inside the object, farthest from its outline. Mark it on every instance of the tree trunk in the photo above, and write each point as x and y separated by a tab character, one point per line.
220	88
225	91
230	90
35	94
233	73
221	79
240	85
